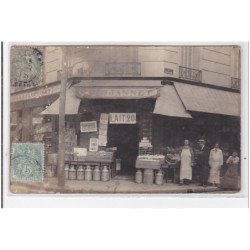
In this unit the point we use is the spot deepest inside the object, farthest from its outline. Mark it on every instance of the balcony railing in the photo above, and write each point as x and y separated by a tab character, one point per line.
235	83
190	74
122	68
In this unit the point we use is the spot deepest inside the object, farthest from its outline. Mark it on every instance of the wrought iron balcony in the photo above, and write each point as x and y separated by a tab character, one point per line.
190	74
235	83
126	68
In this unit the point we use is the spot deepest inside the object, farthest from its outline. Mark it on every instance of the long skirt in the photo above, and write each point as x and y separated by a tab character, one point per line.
230	180
214	174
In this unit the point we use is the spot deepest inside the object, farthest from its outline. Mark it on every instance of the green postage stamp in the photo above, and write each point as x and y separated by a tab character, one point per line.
27	162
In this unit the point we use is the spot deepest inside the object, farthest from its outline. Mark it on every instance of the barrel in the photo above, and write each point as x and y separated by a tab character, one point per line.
148	177
138	176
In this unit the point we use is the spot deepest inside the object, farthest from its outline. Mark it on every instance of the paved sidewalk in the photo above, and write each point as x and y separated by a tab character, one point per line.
49	186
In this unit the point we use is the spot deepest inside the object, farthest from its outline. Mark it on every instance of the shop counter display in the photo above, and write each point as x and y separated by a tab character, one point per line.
100	158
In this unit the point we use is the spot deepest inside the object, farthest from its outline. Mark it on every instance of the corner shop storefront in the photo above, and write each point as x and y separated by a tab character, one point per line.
136	120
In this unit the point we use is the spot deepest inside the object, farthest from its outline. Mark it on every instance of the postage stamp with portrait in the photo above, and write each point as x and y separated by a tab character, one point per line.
27	162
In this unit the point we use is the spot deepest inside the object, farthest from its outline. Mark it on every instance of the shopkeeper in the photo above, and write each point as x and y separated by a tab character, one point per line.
187	159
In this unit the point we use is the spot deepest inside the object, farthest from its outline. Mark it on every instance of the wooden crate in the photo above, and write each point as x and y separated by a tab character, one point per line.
148	164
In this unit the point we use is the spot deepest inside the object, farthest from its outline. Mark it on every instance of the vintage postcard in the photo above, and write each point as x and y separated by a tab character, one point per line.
125	119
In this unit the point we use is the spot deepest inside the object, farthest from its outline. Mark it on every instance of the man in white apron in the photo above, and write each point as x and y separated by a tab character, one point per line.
215	163
186	163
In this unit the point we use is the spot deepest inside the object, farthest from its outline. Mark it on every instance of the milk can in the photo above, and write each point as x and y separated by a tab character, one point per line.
138	176
159	178
148	177
72	172
88	173
105	174
80	173
66	172
97	174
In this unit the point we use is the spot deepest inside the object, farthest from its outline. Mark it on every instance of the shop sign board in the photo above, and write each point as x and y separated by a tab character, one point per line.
116	93
37	93
122	118
93	145
90	126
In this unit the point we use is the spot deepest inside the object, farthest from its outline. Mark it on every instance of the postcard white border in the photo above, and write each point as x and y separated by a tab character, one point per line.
162	200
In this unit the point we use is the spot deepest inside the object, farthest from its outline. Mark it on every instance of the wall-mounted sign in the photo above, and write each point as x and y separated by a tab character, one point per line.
102	140
168	71
104	119
90	126
122	118
93	144
80	151
103	129
38	93
116	93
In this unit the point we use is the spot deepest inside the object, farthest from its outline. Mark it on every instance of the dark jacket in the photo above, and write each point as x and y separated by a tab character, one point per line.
202	156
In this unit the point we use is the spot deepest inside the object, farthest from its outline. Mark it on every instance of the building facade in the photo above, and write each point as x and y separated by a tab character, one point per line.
152	95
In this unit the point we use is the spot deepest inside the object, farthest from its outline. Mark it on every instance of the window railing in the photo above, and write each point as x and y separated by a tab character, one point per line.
126	68
190	74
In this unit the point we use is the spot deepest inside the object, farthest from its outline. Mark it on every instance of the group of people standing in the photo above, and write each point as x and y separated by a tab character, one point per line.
207	165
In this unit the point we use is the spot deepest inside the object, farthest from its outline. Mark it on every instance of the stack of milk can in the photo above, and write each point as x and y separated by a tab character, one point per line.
87	173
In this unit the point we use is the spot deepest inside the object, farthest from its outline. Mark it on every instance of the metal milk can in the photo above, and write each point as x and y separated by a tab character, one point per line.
159	178
138	176
105	174
88	173
97	174
66	172
148	176
80	173
72	172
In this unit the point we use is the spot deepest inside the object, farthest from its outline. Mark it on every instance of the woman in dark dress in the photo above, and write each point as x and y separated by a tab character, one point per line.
230	180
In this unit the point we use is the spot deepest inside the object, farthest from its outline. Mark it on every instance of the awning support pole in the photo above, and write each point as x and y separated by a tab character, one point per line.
61	142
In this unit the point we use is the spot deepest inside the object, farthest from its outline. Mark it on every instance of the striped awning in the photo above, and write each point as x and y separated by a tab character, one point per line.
169	103
208	100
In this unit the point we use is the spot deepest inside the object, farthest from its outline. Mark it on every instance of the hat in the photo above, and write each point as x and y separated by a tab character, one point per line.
201	140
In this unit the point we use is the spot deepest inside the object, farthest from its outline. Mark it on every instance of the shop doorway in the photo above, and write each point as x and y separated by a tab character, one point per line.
126	138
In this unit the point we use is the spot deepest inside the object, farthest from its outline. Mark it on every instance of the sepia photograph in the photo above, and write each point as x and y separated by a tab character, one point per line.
125	119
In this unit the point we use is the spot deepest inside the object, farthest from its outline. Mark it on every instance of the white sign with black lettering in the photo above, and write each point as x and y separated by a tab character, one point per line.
122	118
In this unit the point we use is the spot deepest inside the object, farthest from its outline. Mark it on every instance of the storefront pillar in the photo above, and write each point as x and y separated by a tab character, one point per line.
26	125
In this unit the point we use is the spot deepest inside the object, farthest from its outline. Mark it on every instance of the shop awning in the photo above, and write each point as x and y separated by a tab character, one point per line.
208	100
169	103
71	106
